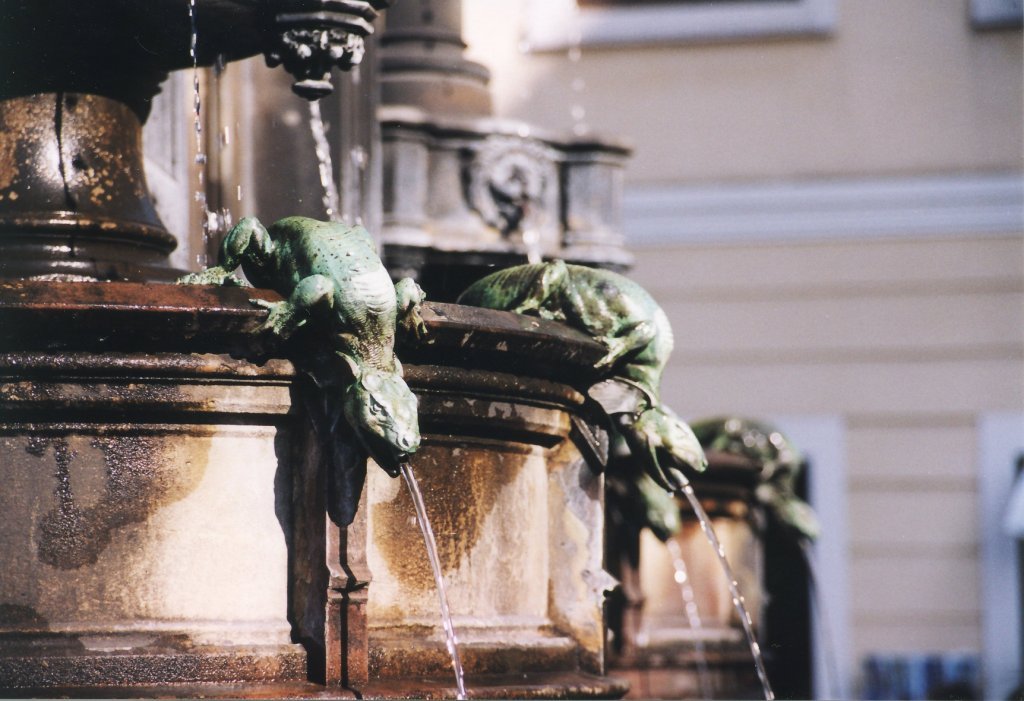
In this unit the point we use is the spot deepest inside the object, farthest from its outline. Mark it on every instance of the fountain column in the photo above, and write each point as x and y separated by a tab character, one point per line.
150	519
465	192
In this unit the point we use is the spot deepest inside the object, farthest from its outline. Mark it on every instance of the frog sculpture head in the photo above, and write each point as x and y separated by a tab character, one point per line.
382	411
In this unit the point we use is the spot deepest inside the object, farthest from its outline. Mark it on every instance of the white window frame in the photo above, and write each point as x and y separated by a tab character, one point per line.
558	24
1000	442
822	440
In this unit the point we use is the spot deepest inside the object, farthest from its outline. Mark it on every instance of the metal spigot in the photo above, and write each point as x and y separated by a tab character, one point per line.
313	36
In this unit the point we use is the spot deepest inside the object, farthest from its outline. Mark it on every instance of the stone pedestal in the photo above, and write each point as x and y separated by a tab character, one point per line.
165	523
660	653
464	192
143	526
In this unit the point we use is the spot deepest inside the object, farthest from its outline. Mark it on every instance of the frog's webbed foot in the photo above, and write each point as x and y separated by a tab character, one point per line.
283	320
217	275
410	297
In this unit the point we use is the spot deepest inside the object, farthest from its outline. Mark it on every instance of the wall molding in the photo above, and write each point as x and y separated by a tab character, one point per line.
558	24
822	210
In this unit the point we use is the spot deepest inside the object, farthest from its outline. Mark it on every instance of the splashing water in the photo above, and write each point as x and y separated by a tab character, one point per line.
531	240
358	161
435	564
331	198
197	124
196	100
734	588
692	616
826	629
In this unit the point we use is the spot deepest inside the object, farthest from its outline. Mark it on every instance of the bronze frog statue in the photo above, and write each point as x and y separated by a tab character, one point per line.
332	279
636	334
780	462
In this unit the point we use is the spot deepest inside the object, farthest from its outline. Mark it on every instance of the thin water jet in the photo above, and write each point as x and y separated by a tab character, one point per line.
331	198
682	578
737	598
451	641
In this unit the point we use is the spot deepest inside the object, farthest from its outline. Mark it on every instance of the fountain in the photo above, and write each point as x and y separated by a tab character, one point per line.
747	492
169	517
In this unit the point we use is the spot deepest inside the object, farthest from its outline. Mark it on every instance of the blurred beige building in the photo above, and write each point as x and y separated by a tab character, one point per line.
826	197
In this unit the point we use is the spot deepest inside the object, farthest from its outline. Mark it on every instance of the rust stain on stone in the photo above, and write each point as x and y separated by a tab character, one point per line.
139	480
21	617
460	489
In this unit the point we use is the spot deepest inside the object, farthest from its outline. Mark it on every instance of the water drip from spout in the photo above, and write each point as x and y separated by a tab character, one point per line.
575	53
211	222
331	198
435	564
734	588
692	617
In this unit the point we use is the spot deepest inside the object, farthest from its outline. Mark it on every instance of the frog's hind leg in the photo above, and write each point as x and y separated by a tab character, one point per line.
632	337
543	292
313	295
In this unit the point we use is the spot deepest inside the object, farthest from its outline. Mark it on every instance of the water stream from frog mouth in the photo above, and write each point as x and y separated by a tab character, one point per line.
682	578
734	587
435	564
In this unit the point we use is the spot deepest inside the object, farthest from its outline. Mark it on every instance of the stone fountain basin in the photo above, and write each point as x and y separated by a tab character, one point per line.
168	499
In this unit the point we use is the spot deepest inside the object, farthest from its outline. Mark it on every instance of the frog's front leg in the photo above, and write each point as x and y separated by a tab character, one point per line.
410	297
217	275
248	241
313	294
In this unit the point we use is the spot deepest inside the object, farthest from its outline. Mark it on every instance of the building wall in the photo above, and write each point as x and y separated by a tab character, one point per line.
909	330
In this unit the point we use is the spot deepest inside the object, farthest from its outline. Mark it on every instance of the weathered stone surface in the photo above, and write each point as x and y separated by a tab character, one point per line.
175	508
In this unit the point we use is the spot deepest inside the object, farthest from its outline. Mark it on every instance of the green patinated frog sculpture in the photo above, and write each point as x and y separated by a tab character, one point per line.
780	463
334	283
636	334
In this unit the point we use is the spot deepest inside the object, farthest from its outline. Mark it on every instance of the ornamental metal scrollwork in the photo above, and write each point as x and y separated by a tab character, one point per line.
318	36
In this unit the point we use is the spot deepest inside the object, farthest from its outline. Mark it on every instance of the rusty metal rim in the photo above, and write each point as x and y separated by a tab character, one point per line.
141	366
69	223
491	385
